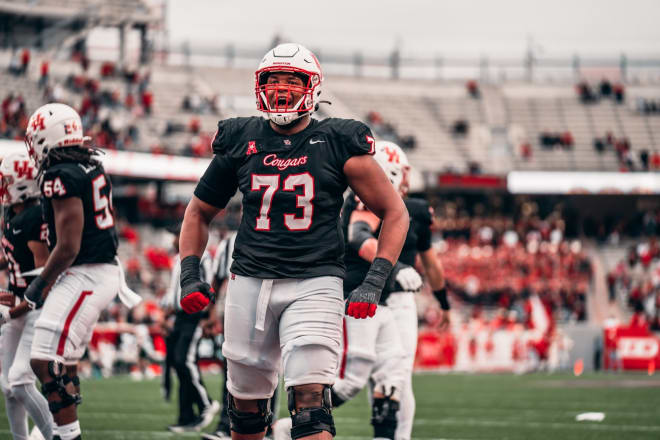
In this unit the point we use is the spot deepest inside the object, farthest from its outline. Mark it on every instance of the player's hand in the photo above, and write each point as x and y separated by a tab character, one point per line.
4	315
7	299
34	294
196	296
363	301
195	293
443	321
407	277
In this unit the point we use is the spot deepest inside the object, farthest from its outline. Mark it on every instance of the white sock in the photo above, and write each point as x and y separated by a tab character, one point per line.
70	431
37	407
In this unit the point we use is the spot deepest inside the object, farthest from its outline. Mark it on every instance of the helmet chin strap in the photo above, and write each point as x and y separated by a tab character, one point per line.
291	124
286	122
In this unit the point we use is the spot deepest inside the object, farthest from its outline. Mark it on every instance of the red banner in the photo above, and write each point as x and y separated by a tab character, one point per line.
631	348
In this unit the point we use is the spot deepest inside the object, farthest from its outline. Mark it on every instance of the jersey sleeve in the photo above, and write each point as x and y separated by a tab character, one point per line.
222	138
356	139
62	183
219	182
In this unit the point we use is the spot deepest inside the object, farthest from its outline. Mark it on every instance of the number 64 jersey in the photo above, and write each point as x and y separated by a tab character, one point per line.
89	183
292	188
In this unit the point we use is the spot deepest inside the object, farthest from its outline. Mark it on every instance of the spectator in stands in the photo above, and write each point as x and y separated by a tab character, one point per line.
599	145
585	93
147	101
25	61
619	92
526	150
460	128
605	87
655	161
43	78
473	89
566	140
644	159
408	142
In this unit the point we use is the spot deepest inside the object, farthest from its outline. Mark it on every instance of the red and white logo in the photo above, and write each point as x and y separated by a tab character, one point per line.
252	148
272	160
38	123
23	169
644	348
392	155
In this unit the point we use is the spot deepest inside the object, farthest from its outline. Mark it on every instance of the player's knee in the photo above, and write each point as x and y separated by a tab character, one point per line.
311	410
383	416
54	387
249	416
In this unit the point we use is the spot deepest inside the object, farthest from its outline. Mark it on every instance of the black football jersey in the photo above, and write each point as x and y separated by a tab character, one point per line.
292	190
418	239
91	184
20	229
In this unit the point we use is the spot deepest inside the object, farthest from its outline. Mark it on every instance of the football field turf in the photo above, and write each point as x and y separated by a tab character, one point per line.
452	406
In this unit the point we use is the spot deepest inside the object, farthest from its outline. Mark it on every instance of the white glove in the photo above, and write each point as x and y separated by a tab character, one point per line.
4	315
409	279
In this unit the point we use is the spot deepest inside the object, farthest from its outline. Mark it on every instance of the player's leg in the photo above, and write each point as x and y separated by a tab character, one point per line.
252	351
404	308
358	357
62	332
10	335
22	380
310	335
387	377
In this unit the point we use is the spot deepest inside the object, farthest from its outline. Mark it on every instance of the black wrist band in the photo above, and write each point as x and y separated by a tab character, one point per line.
441	296
378	272
189	269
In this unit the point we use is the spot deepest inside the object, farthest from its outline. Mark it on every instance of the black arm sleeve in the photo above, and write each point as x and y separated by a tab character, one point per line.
219	182
358	233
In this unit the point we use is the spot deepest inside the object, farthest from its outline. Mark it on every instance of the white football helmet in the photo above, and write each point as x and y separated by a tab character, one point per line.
18	175
394	162
53	126
288	58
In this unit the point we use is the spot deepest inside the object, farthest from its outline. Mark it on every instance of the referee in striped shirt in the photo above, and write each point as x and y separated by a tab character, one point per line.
181	346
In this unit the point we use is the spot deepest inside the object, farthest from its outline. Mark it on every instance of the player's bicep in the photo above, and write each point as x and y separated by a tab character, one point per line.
201	209
69	221
371	185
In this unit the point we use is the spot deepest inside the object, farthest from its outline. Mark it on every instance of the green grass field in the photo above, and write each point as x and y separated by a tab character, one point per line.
453	406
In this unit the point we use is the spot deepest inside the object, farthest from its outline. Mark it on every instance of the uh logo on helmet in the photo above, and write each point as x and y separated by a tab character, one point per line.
53	126
291	101
18	176
394	162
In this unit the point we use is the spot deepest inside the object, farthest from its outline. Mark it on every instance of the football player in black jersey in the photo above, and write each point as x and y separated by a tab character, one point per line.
24	246
285	293
82	271
399	295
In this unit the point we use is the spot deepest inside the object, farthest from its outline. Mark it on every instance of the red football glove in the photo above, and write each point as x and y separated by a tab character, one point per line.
195	293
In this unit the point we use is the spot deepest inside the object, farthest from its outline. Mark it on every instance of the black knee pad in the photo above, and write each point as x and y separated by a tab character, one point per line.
308	421
244	422
58	385
383	417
